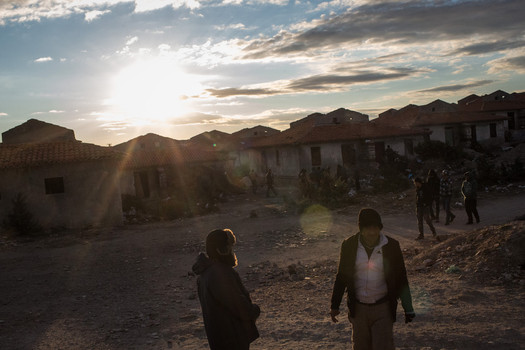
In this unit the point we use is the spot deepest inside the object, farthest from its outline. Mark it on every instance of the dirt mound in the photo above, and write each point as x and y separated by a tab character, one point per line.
494	254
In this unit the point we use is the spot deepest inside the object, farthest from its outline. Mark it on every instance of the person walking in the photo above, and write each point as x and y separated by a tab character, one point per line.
269	183
228	312
372	272
433	184
423	204
445	192
469	190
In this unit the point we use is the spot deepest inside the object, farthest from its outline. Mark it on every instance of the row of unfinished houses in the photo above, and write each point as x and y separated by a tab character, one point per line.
71	184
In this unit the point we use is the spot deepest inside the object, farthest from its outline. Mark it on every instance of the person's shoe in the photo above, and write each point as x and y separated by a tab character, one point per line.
437	220
452	218
447	222
477	221
420	237
469	223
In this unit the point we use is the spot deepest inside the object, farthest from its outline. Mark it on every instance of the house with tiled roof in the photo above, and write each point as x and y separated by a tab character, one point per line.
66	183
310	144
467	122
509	107
154	164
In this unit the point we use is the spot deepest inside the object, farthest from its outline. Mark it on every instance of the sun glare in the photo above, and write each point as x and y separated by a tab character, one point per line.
154	89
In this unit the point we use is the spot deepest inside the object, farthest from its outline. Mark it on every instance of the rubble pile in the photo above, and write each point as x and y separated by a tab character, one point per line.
267	273
494	254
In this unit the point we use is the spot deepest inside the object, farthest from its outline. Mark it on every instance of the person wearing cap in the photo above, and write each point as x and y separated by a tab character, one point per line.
372	272
228	312
423	207
445	192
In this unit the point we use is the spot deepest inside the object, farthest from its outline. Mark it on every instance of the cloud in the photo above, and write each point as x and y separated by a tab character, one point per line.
393	23
31	10
488	47
338	80
93	15
238	26
132	40
457	87
514	64
3	114
43	59
229	92
53	111
150	5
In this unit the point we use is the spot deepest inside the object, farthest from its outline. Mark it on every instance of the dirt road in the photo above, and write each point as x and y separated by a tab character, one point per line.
131	287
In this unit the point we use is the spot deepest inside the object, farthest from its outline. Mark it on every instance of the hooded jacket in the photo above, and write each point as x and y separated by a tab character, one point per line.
228	312
395	276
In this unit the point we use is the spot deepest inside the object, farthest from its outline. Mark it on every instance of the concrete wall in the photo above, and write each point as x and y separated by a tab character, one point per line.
91	194
287	163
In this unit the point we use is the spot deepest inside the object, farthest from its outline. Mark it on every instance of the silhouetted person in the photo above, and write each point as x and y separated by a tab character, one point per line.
433	184
228	312
269	183
253	179
445	192
423	204
372	272
469	190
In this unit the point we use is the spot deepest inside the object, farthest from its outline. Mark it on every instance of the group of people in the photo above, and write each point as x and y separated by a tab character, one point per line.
436	191
371	271
268	181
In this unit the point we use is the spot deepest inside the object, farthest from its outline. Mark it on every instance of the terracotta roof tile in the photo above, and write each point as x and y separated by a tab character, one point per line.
307	134
38	154
425	119
168	156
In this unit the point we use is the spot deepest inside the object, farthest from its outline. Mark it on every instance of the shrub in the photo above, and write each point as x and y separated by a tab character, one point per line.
437	150
20	219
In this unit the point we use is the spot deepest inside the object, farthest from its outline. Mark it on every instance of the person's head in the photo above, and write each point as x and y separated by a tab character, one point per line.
432	173
418	182
370	224
219	246
444	173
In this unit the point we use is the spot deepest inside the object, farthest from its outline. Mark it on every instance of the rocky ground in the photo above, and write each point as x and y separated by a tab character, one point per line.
132	287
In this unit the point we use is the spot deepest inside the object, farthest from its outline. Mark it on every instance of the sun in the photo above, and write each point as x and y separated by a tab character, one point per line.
155	89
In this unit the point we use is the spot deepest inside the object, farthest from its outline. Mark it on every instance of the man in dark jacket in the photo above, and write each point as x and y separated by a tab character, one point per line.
372	271
433	184
423	207
228	312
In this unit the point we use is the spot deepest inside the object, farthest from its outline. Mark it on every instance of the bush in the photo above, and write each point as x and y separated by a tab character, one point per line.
20	219
437	150
390	180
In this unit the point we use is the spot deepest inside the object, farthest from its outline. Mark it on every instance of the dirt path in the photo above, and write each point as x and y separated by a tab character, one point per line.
130	288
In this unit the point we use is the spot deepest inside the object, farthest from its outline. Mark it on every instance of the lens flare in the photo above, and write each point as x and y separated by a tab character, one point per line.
316	220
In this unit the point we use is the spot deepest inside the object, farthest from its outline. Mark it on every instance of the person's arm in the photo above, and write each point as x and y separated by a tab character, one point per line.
226	287
404	289
339	287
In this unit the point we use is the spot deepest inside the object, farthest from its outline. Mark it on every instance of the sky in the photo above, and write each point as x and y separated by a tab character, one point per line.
113	70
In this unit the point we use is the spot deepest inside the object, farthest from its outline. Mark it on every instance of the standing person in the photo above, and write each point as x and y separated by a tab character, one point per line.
433	184
228	312
269	183
253	178
423	207
469	191
372	271
304	184
445	192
